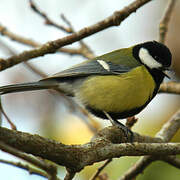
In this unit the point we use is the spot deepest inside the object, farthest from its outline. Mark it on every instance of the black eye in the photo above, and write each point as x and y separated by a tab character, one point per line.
156	57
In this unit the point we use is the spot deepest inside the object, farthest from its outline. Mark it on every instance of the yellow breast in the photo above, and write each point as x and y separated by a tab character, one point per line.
118	93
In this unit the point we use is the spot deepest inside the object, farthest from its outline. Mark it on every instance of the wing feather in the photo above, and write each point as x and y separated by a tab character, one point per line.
91	67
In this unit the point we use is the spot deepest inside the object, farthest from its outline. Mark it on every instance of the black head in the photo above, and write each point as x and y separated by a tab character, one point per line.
152	54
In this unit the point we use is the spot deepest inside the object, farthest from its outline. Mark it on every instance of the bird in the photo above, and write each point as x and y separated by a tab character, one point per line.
113	86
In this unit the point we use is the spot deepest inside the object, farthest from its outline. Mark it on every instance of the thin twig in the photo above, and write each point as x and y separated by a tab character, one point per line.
100	169
49	168
13	126
30	169
163	26
48	21
85	49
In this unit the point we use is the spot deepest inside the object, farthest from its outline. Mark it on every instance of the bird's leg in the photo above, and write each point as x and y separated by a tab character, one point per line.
121	126
125	129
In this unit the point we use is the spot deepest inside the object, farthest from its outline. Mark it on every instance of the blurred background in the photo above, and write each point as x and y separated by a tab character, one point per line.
52	116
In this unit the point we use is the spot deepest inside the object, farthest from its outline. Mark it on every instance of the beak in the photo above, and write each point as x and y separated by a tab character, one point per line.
165	73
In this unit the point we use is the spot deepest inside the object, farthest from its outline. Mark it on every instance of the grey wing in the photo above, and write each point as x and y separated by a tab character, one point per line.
91	67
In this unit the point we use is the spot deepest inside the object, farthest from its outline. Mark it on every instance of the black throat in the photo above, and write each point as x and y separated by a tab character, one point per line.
157	75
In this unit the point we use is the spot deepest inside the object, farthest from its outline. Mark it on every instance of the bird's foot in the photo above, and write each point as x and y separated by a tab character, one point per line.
121	126
125	130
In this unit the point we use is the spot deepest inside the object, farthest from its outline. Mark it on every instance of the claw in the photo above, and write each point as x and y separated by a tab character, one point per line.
125	130
121	126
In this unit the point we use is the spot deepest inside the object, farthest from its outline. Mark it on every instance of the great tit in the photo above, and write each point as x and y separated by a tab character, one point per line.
119	84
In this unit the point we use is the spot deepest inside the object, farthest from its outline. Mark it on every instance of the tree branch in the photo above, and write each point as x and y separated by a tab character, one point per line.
168	130
29	42
76	157
53	46
100	169
138	167
163	26
48	21
170	87
49	168
172	160
31	170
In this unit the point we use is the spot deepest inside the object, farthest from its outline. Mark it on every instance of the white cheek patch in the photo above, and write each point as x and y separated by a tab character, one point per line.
147	59
104	65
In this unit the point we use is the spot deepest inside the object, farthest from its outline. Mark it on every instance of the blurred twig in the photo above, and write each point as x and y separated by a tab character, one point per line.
13	126
49	168
100	169
172	160
163	26
30	169
137	168
170	128
170	87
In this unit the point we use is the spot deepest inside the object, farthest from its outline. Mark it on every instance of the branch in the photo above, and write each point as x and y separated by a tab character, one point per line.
163	26
48	21
168	130
23	40
76	157
53	46
172	160
138	167
170	87
13	126
100	169
50	169
145	161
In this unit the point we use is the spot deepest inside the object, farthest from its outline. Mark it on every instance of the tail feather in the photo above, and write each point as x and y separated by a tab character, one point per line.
28	87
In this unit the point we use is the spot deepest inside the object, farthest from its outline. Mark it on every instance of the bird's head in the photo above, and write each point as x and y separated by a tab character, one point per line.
153	55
